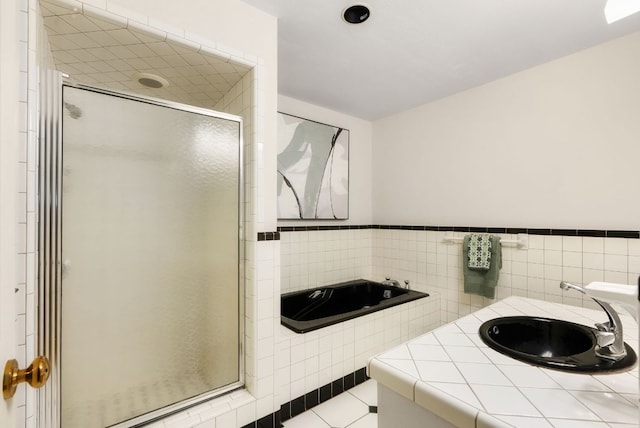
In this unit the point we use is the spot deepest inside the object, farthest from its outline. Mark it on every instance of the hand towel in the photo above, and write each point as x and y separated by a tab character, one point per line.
482	282
479	251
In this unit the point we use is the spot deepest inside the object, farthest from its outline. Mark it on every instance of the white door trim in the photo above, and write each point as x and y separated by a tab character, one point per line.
9	138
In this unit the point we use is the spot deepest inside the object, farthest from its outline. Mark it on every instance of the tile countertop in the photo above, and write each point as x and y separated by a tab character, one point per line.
452	373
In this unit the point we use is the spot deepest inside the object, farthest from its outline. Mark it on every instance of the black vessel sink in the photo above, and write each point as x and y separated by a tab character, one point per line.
550	343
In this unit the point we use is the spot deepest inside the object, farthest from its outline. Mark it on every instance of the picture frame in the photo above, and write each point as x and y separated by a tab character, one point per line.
313	170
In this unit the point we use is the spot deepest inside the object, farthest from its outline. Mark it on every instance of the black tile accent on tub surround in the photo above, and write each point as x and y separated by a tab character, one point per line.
629	234
268	236
317	396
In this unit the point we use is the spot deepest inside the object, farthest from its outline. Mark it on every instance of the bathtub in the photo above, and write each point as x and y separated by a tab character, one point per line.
308	310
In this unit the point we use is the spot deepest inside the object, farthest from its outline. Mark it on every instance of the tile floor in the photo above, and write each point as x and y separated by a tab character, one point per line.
347	410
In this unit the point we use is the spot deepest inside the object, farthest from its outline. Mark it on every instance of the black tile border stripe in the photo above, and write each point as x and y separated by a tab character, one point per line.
311	399
629	234
268	236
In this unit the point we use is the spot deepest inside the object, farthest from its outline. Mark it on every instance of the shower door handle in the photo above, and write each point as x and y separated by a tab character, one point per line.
35	375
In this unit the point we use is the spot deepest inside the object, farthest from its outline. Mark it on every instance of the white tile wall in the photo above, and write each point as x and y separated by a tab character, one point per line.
314	258
308	361
430	264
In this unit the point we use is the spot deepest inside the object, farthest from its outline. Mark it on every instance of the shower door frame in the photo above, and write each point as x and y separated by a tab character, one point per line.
50	264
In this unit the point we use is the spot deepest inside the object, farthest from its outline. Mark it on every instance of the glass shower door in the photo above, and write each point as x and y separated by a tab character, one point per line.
150	256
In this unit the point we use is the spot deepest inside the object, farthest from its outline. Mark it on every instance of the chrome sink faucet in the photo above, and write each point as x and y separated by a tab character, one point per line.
609	337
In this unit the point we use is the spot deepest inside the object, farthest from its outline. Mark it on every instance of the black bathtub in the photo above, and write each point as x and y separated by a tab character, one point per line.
308	310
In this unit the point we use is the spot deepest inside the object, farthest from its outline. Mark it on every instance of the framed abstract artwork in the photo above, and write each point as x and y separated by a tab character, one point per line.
313	170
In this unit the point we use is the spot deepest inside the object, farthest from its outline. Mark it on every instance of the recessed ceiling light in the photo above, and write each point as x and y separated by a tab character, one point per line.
356	14
151	80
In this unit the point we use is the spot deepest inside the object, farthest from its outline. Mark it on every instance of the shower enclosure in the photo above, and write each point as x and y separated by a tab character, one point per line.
141	233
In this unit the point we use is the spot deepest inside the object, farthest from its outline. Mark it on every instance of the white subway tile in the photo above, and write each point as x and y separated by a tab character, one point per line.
553	257
572	259
634	247
593	245
553	243
615	263
593	260
572	243
616	246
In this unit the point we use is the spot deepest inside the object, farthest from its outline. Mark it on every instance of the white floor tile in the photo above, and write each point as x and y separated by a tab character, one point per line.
306	420
366	392
342	410
368	421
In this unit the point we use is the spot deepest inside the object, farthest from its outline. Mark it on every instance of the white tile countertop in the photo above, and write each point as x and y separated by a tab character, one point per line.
453	374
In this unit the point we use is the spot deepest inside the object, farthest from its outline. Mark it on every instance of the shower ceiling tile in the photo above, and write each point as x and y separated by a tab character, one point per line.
103	24
194	59
103	38
67	57
50	8
116	76
138	64
157	63
103	54
168	72
102	66
82	40
160	36
187	71
124	37
81	23
85	55
55	25
182	48
231	78
121	52
121	65
96	47
68	69
161	48
176	61
61	43
199	80
142	50
226	68
85	68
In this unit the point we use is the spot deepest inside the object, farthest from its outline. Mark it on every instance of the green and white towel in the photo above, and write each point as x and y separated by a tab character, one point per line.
479	251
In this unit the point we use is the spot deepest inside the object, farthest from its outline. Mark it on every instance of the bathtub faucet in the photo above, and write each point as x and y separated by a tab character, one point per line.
395	282
391	282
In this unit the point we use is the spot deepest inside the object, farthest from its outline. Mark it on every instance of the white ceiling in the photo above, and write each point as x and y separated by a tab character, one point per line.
411	52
